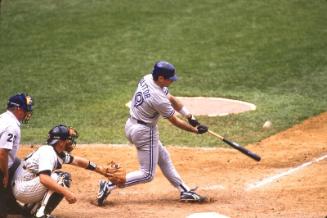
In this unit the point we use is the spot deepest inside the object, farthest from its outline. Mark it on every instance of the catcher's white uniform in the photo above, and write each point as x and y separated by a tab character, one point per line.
9	134
149	102
26	184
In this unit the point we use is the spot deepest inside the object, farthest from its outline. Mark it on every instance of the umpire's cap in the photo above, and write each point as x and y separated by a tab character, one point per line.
165	69
61	132
21	100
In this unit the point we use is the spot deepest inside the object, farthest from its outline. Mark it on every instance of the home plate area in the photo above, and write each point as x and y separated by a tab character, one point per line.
289	181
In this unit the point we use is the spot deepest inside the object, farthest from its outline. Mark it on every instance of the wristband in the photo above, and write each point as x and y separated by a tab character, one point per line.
91	166
184	111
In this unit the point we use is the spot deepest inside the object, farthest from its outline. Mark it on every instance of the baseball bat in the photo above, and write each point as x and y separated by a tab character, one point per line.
236	146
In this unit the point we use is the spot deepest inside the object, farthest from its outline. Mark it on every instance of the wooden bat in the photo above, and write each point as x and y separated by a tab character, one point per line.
236	146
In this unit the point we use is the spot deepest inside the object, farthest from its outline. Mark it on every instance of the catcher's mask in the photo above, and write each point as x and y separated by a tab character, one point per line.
62	132
23	101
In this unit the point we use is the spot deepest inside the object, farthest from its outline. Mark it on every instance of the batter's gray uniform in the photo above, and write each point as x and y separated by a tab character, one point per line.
26	186
148	104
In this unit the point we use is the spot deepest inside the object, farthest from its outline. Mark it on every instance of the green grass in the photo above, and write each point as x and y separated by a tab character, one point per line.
81	61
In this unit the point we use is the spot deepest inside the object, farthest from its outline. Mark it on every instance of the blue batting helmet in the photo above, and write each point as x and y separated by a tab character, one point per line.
165	69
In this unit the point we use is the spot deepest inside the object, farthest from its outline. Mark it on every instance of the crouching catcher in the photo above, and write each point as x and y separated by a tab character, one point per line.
39	185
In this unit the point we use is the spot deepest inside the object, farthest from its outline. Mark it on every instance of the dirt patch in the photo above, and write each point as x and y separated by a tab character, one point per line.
221	174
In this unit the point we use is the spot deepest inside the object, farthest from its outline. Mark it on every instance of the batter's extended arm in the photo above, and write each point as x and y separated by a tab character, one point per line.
177	104
182	124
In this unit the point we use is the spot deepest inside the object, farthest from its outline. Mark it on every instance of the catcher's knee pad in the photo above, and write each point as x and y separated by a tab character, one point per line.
53	202
48	204
52	199
64	178
40	209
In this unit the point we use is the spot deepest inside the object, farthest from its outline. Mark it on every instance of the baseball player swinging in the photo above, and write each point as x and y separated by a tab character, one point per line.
38	184
150	101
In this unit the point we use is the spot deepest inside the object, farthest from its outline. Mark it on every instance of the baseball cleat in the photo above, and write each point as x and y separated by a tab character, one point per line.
104	191
191	196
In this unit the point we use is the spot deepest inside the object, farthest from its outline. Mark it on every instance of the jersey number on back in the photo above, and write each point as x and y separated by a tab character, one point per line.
138	99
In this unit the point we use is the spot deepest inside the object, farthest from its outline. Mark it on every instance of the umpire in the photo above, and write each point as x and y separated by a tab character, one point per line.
19	109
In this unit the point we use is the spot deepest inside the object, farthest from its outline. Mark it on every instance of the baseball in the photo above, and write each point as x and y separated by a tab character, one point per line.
267	124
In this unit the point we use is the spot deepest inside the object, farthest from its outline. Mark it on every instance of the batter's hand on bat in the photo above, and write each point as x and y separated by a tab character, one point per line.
202	129
193	121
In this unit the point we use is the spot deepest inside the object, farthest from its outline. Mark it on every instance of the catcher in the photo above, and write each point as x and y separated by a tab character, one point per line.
38	184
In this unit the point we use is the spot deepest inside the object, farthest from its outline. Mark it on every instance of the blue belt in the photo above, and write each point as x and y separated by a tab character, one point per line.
140	121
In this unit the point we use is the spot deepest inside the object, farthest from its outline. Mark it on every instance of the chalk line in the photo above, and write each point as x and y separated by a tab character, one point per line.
285	173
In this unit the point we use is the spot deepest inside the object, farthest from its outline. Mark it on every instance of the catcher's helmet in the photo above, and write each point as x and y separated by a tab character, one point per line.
61	132
165	69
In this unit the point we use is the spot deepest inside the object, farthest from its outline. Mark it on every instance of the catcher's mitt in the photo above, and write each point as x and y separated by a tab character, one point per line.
116	174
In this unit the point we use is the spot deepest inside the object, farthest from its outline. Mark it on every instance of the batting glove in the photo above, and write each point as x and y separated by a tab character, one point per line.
193	121
202	129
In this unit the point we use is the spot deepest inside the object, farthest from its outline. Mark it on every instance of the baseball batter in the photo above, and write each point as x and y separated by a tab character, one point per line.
37	182
150	101
19	109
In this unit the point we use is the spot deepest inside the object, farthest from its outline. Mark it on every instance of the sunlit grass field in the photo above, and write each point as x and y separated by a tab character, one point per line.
81	61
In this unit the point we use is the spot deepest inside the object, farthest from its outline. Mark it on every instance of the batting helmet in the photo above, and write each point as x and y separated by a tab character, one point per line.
61	132
165	69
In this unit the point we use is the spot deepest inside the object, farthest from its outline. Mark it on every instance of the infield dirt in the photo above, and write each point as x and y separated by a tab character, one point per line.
222	175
